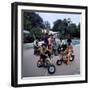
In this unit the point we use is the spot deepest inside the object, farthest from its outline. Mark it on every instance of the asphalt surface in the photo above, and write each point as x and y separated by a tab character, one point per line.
30	69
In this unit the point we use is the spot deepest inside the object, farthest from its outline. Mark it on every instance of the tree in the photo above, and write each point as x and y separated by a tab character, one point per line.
31	19
57	25
78	30
36	32
47	25
61	26
65	26
72	29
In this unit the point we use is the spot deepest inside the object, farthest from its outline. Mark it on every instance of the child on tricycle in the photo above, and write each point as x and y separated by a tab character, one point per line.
66	53
45	59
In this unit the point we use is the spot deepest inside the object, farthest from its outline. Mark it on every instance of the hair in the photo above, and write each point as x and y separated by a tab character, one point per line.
61	38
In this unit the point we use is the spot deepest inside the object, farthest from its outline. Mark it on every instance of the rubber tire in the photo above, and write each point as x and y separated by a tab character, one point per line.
59	62
54	69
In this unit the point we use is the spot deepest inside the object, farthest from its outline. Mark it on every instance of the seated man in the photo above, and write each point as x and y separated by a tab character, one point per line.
61	45
62	51
36	47
69	40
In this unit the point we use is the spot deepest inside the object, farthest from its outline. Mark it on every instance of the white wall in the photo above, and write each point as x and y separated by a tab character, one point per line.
5	45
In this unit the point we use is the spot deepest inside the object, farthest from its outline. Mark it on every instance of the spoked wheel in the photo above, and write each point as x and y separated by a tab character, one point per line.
51	69
59	62
72	58
39	64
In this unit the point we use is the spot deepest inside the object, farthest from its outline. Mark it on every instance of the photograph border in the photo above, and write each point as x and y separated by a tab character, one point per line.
14	43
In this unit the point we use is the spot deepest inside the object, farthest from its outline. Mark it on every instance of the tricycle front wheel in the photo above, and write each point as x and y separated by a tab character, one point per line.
59	62
51	69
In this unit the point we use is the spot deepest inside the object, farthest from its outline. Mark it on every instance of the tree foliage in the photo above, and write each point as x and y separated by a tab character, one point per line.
32	19
65	26
36	32
47	25
33	23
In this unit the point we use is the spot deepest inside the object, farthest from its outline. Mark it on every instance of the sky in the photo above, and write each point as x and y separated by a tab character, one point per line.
52	17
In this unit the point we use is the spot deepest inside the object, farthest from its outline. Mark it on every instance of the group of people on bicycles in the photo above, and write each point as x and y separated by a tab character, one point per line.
53	46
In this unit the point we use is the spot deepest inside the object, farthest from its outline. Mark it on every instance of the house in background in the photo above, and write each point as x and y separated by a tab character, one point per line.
55	34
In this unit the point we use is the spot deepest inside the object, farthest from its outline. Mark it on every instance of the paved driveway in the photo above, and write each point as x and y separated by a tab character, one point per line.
30	69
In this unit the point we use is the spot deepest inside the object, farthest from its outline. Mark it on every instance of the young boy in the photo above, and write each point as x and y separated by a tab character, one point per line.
69	52
44	53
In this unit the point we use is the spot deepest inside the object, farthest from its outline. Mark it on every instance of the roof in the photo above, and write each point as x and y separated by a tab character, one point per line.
26	32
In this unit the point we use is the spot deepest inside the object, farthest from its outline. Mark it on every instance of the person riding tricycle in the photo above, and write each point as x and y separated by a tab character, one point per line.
45	59
66	53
